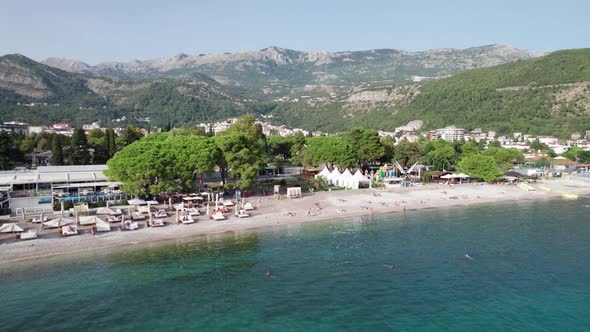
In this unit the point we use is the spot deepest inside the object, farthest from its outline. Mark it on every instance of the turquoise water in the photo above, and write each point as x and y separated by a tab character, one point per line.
530	272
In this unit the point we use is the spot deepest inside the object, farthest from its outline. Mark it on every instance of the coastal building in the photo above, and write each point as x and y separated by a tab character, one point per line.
15	127
34	190
575	135
450	133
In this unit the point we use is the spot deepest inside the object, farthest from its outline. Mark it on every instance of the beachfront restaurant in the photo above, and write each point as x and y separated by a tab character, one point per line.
35	190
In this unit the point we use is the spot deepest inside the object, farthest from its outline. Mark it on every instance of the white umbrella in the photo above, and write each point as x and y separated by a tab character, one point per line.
58	222
207	208
463	175
89	220
170	202
105	210
152	202
10	228
136	202
62	208
447	176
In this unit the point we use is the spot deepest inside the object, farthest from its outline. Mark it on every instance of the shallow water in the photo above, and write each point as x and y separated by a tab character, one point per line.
530	272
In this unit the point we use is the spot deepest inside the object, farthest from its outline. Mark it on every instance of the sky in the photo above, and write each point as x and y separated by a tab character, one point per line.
106	30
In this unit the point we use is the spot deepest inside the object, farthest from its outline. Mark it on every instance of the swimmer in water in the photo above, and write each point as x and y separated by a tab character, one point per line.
268	273
391	266
468	257
362	220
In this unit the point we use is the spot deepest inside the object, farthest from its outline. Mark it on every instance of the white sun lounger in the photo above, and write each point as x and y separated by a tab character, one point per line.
157	223
227	202
218	216
69	230
129	225
248	207
187	219
161	214
137	216
28	235
242	214
193	212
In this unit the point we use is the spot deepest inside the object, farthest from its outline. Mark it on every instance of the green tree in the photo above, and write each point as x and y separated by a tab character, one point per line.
479	167
367	144
80	154
6	150
406	153
299	141
110	142
57	152
130	134
469	148
246	125
504	158
242	159
331	150
442	154
97	140
163	163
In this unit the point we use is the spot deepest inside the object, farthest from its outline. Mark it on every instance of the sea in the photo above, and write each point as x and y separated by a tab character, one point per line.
528	269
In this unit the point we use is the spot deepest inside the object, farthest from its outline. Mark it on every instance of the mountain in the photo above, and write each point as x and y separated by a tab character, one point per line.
39	94
276	72
547	95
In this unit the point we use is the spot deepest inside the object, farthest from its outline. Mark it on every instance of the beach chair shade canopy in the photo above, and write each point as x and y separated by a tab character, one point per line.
105	210
136	202
89	220
10	228
58	222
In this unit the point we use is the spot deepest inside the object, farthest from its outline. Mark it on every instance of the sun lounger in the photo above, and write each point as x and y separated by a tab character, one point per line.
69	230
193	212
157	223
129	225
137	216
187	219
227	202
161	214
242	214
113	219
28	235
248	207
217	216
102	226
143	209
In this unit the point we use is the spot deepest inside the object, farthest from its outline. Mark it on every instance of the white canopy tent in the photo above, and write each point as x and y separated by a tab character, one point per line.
333	178
360	177
325	173
105	210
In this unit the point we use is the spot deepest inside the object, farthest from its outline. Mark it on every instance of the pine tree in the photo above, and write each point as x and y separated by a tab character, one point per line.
57	157
79	144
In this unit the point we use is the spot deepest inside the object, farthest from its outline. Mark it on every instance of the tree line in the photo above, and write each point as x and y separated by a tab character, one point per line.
174	161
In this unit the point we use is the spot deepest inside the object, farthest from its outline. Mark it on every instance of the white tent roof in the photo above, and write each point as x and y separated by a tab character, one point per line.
347	173
58	222
10	228
325	173
360	177
89	220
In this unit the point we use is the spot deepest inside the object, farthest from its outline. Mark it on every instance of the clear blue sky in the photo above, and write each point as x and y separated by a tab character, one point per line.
102	30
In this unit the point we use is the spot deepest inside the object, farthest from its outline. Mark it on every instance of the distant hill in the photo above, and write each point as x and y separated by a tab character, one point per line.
540	95
39	94
276	72
546	95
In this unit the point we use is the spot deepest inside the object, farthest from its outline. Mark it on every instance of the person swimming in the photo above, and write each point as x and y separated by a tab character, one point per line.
391	266
268	274
468	257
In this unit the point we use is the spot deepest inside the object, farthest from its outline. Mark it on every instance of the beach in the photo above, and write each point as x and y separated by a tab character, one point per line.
312	207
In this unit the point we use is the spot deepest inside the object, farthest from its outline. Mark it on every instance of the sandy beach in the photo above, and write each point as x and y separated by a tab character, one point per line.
312	207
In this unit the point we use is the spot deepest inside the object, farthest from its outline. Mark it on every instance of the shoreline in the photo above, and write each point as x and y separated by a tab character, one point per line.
315	207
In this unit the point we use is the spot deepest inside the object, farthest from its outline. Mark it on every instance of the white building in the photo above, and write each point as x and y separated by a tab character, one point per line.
451	133
33	189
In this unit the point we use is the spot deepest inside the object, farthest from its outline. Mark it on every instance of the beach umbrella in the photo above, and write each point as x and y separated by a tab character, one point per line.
216	200
177	215
463	175
207	208
58	222
10	228
107	204
170	203
150	221
89	220
447	176
152	202
104	210
136	202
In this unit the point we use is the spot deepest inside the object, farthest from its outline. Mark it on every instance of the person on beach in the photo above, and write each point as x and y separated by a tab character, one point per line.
93	231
